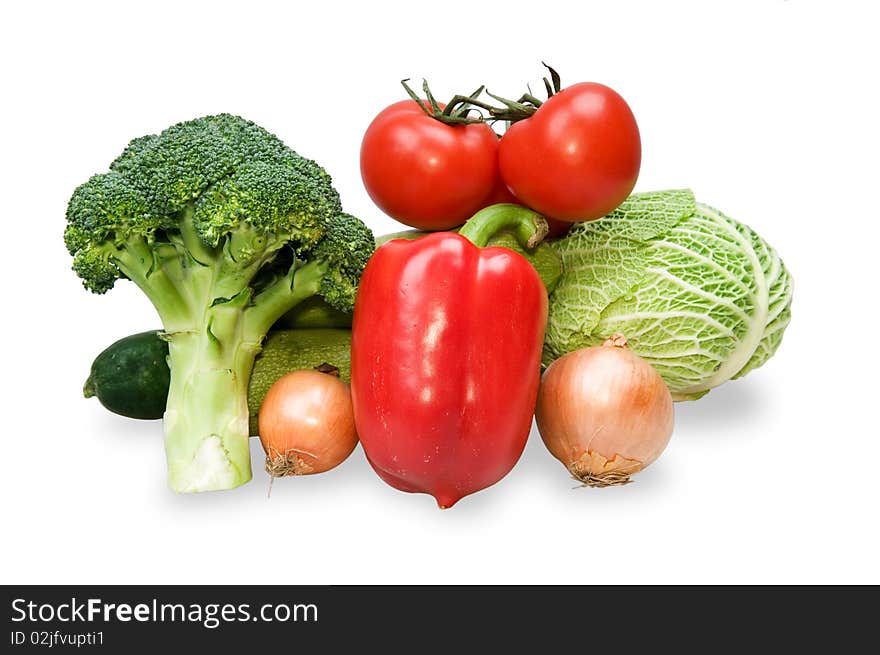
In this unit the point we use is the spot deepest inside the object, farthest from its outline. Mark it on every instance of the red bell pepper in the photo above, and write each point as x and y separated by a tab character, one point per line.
446	355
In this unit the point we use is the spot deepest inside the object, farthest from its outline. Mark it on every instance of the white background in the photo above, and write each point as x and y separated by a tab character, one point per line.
768	110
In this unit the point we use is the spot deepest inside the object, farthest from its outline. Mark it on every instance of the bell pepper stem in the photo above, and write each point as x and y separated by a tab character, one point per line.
528	226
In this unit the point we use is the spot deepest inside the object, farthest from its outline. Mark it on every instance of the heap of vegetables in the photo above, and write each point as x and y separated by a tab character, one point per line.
531	250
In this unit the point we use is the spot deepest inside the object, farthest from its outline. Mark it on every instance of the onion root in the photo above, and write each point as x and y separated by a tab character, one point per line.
594	470
289	463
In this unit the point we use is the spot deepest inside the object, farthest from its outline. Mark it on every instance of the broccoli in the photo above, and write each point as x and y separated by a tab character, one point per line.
224	228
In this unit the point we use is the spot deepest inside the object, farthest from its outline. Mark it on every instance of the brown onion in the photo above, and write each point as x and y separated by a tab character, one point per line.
306	424
604	412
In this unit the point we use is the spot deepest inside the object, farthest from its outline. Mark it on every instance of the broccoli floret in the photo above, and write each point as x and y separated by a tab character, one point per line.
225	229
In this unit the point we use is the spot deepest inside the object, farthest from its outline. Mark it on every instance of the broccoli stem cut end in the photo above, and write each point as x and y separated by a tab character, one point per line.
206	416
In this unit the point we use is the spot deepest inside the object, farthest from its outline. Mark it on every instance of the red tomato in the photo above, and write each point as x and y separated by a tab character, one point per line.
426	174
577	158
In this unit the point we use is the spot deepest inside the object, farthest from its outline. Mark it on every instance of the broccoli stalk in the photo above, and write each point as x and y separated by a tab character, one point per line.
224	229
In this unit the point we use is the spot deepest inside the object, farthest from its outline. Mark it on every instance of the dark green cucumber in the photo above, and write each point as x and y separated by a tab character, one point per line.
131	377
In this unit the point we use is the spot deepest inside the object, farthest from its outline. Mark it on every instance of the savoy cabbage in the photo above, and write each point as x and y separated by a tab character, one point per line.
699	295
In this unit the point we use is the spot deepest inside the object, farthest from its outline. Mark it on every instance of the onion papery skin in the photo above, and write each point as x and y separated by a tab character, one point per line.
604	412
306	424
